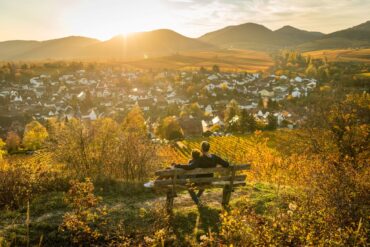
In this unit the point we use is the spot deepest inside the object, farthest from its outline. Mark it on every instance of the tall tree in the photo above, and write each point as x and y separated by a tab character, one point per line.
34	135
272	122
2	149
170	129
134	122
247	122
231	114
232	109
13	141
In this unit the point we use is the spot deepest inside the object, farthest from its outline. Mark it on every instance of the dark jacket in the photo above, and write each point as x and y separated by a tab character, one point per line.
205	162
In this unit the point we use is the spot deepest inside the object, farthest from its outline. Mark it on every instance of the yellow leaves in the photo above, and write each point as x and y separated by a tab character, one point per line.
87	221
325	88
292	206
2	151
258	132
134	122
34	135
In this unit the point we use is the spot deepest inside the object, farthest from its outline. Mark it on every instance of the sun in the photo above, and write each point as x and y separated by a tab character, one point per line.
123	17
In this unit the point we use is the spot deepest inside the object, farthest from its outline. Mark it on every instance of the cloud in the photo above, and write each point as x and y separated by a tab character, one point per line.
40	19
324	15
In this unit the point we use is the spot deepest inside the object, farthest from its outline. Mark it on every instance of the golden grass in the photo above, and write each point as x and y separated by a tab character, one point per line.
365	74
345	55
227	60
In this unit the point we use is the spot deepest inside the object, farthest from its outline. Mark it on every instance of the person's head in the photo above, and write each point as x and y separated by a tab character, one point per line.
195	154
205	146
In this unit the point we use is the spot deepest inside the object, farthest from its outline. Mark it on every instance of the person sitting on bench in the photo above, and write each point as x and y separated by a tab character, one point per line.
206	160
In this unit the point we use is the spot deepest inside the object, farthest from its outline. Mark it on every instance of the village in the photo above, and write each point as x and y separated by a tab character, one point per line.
197	99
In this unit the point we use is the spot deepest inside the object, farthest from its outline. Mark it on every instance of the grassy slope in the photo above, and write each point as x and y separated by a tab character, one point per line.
342	55
47	211
234	60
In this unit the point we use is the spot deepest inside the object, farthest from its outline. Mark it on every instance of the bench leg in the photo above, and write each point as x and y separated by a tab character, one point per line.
226	194
169	201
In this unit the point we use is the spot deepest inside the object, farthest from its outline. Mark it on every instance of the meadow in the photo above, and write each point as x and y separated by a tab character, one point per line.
228	60
342	55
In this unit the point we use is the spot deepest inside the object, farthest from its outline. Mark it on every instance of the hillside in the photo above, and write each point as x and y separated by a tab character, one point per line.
144	44
63	48
248	60
354	37
168	43
255	36
292	35
342	55
244	36
138	45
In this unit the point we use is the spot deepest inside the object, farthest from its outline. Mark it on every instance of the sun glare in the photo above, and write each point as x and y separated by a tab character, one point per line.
121	18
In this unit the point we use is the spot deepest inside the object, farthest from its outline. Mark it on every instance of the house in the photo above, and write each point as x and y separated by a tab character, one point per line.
266	93
91	116
298	79
296	93
191	126
208	109
218	121
205	126
212	77
81	96
279	117
311	85
18	99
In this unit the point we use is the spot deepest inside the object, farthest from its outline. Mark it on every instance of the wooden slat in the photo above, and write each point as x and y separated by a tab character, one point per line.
219	184
179	171
198	180
236	183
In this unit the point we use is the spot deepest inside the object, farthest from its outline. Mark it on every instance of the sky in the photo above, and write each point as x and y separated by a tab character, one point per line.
103	19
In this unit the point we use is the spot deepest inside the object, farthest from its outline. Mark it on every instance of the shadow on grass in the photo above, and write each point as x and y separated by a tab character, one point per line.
196	222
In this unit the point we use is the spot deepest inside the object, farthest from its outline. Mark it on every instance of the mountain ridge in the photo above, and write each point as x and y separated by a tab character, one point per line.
164	42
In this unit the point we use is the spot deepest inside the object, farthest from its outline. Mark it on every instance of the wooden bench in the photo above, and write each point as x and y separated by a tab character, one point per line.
175	179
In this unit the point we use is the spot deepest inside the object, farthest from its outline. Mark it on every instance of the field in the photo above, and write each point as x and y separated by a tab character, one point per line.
235	149
227	60
345	55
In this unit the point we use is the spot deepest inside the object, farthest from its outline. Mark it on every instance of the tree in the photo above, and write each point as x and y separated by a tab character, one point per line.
170	129
34	135
232	110
202	70
103	150
247	122
272	122
193	109
311	70
2	149
52	126
216	68
172	109
135	122
13	141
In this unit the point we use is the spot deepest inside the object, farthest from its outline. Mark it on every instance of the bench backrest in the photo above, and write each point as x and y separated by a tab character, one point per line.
177	176
199	171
